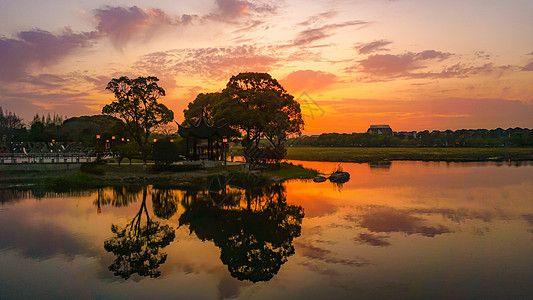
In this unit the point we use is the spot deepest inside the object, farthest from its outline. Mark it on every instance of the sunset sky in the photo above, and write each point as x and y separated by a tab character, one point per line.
412	64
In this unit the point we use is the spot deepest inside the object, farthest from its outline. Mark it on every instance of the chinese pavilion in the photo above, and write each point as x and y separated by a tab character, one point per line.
203	140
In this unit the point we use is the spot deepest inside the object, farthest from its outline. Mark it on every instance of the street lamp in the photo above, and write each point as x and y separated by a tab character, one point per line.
224	141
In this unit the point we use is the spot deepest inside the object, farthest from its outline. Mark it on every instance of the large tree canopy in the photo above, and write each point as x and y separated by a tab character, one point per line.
254	104
136	104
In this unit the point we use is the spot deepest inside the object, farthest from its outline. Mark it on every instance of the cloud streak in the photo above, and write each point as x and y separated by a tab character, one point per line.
393	65
319	18
411	65
373	47
311	35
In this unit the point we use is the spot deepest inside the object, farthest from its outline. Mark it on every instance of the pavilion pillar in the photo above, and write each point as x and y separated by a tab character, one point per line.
187	155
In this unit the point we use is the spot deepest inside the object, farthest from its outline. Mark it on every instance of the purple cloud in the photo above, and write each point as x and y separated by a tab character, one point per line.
389	219
233	8
373	47
318	17
311	35
389	66
38	48
122	24
528	67
231	11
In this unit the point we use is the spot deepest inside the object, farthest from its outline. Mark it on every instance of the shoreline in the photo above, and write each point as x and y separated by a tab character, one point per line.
113	175
365	155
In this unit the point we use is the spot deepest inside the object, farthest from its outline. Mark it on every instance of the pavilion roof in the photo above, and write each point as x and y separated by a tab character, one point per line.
202	129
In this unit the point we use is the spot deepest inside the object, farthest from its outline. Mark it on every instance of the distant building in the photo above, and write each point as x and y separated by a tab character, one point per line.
380	129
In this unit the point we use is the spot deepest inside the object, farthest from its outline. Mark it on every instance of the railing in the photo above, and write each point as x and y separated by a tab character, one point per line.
45	158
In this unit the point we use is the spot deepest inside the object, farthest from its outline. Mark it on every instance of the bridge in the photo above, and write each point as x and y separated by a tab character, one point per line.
45	158
18	153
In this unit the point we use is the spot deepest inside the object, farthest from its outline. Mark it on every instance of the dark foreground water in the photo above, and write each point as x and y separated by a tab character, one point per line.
402	230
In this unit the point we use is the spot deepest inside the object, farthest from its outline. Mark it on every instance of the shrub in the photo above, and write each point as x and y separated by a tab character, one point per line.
165	152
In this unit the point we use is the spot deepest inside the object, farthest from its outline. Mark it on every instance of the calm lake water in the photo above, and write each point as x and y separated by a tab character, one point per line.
402	230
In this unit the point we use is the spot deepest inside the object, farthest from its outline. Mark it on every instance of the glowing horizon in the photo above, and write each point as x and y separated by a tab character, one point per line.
413	65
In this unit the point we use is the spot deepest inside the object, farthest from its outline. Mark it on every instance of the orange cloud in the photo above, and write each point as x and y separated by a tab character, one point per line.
308	80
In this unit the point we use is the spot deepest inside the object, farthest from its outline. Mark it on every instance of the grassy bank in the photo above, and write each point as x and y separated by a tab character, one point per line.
112	175
289	171
424	154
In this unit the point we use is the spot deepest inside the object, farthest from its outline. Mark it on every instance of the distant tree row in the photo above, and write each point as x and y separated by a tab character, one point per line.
511	137
11	126
78	129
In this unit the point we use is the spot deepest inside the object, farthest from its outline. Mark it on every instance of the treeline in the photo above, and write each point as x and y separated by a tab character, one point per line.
511	137
99	133
53	128
11	126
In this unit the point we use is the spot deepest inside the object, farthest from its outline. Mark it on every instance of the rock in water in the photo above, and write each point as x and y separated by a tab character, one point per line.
339	177
319	179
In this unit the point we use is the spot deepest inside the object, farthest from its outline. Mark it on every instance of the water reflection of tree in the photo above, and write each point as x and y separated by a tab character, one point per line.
165	203
137	246
255	238
121	196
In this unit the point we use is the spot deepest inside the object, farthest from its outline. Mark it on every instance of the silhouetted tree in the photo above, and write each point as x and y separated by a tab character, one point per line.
11	127
256	105
136	104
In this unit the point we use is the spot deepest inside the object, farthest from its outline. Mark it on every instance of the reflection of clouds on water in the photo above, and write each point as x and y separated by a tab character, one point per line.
327	256
41	240
529	219
324	261
388	219
229	287
460	215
